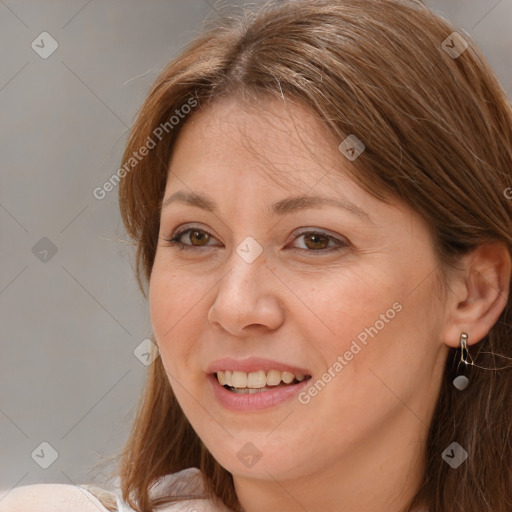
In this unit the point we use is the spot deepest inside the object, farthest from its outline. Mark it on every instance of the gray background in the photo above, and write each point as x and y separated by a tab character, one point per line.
72	320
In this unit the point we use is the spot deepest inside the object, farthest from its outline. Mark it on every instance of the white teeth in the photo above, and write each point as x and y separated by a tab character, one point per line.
221	378
287	377
273	377
256	381
239	380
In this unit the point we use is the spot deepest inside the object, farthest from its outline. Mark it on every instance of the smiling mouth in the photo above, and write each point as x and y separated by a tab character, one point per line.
257	382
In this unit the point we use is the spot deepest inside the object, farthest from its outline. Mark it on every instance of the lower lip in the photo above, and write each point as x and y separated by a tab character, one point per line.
254	401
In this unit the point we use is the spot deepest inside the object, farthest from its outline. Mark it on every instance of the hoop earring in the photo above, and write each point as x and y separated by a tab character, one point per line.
461	382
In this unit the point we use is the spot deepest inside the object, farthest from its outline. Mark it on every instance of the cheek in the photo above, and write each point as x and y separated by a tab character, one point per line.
351	304
161	303
387	338
171	315
372	319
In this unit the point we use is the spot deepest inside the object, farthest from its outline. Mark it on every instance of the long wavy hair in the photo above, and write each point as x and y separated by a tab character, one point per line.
438	135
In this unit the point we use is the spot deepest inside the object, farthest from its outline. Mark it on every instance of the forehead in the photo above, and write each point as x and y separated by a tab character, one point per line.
245	158
283	141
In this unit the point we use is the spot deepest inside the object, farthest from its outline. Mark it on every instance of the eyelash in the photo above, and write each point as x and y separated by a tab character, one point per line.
174	241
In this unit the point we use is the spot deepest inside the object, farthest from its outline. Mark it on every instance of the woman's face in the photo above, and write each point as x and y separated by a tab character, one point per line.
342	296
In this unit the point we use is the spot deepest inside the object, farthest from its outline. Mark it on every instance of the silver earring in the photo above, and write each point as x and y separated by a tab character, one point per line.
461	382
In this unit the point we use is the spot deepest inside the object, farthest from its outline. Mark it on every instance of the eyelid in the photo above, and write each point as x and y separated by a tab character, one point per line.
181	230
186	227
340	241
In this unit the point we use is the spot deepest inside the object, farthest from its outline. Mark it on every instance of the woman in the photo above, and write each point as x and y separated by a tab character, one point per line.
323	233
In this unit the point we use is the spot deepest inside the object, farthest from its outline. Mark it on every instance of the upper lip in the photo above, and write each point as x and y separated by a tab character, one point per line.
254	364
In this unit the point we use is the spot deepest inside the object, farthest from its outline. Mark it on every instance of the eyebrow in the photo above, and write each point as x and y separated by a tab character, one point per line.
283	207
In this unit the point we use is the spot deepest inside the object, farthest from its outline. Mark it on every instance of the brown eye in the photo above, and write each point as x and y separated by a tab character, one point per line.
202	237
316	241
197	238
313	242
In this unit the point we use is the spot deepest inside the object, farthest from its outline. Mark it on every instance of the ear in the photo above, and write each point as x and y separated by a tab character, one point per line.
478	294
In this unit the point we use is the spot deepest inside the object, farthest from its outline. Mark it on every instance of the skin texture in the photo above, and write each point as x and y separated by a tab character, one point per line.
356	446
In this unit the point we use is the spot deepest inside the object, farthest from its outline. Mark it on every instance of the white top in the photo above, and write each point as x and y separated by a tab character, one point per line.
187	482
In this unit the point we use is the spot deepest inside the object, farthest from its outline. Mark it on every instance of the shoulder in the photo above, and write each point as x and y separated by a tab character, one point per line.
55	498
186	485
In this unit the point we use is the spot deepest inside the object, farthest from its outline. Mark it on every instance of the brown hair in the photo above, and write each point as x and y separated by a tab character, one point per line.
438	136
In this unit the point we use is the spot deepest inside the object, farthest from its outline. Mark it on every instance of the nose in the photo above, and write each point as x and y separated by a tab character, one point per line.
247	299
